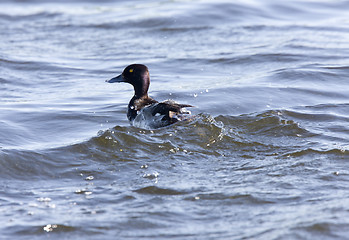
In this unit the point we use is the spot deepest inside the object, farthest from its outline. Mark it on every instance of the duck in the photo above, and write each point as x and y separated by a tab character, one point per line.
144	111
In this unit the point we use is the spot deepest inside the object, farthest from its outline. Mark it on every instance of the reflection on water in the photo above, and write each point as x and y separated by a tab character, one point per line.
265	156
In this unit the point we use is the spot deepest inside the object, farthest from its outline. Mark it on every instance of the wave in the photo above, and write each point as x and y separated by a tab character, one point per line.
23	15
253	136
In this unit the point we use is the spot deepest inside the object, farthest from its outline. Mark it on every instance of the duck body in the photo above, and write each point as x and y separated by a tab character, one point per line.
143	111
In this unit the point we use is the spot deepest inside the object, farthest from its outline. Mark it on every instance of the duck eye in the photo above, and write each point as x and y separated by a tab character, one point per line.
131	70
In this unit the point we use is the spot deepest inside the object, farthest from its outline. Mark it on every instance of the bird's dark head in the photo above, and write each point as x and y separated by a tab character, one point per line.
138	76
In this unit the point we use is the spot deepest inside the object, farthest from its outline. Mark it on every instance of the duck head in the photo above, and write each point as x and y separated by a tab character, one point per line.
138	76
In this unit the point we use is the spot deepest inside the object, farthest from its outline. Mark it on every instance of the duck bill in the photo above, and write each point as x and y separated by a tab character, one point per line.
116	79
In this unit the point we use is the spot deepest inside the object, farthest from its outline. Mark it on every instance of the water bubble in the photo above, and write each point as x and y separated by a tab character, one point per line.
89	178
145	166
83	191
44	199
174	150
151	175
100	132
49	227
80	191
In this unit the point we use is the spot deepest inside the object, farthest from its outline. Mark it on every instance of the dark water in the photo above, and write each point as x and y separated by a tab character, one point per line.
265	158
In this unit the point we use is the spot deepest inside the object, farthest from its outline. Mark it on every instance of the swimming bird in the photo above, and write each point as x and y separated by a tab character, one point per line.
143	111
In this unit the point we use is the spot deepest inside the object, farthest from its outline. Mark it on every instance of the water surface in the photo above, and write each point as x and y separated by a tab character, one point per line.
265	158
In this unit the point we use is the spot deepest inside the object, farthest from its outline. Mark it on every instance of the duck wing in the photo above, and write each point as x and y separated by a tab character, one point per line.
171	111
161	114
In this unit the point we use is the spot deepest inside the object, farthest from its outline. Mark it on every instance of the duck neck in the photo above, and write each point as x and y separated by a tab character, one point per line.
141	86
141	91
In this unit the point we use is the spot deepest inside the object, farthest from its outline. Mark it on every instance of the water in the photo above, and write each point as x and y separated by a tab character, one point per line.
265	158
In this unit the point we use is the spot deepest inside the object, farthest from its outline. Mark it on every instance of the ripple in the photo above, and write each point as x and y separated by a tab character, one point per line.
332	152
231	199
159	191
25	230
321	229
16	16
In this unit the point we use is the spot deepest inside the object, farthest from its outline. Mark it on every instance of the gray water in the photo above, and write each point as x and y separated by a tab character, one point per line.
266	156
